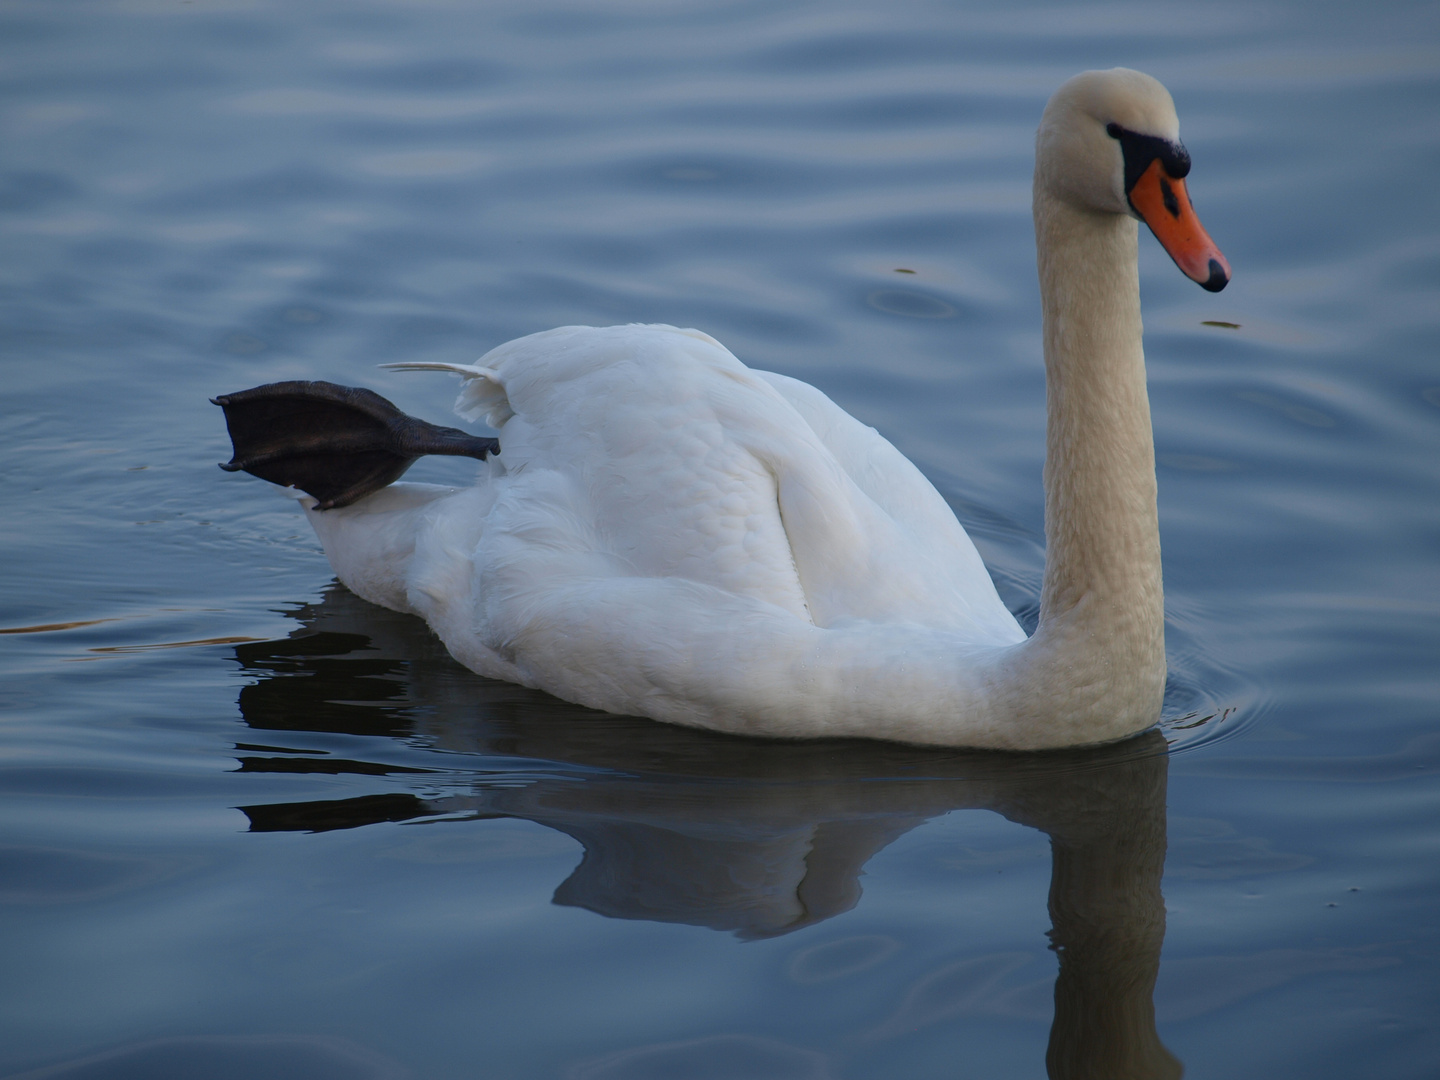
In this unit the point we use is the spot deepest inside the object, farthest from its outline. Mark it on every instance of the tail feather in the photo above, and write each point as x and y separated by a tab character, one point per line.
467	371
481	397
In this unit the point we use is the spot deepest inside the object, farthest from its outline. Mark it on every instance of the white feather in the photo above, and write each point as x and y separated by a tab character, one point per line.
482	395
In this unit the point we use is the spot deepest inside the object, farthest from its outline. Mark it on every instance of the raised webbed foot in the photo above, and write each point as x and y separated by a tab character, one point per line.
337	443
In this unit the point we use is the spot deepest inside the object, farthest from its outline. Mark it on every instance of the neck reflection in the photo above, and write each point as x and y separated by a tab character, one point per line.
756	838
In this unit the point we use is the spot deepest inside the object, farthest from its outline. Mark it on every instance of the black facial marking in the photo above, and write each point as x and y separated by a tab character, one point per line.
1167	193
1140	150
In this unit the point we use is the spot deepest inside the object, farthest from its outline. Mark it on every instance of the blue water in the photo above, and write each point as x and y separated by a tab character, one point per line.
251	826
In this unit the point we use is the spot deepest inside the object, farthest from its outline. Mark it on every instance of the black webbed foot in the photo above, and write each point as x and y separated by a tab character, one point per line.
337	443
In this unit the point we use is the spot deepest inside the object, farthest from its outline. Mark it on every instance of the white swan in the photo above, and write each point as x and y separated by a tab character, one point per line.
672	534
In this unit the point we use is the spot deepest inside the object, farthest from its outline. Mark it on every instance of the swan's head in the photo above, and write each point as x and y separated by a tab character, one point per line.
1109	142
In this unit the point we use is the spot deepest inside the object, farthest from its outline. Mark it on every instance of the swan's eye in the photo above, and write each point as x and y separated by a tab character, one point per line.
1140	150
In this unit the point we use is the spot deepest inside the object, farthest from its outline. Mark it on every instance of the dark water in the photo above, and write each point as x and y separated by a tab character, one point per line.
255	827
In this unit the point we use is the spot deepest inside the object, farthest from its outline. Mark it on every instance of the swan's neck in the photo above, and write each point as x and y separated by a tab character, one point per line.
1100	645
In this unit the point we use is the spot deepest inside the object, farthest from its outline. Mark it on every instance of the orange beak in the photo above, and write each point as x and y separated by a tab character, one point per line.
1164	204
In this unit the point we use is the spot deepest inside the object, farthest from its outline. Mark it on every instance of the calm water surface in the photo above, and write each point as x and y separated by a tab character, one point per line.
251	826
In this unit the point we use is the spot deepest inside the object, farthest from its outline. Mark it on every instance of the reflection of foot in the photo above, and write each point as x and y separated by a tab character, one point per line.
323	816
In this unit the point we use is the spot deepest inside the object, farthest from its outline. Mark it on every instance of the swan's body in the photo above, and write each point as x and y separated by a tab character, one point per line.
670	533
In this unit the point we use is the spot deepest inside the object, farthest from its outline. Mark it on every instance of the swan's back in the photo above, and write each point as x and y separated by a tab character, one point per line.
682	462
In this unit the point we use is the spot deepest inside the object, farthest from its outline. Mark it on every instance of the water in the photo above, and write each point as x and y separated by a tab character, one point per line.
255	827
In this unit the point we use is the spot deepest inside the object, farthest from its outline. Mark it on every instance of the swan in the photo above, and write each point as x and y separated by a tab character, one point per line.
671	534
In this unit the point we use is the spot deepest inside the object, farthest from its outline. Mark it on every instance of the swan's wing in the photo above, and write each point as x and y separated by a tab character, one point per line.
643	424
884	474
689	464
908	544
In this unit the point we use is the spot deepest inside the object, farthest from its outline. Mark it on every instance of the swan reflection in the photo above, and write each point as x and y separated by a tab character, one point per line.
757	838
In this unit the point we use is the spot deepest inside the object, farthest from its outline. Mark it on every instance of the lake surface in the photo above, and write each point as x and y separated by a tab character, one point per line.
252	826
